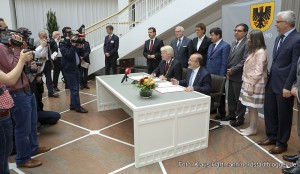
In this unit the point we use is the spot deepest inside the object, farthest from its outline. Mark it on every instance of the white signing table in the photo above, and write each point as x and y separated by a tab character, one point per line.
165	125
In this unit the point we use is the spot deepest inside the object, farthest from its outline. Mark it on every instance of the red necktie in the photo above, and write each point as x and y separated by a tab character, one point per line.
166	68
151	45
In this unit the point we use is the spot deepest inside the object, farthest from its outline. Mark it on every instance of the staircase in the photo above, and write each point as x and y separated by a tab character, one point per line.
131	24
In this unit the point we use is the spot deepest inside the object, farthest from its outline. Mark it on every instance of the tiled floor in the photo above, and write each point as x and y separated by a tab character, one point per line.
102	142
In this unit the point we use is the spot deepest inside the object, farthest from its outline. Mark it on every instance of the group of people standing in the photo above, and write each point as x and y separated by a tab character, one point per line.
245	64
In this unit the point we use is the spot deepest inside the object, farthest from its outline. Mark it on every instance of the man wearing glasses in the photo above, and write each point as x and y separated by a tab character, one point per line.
235	65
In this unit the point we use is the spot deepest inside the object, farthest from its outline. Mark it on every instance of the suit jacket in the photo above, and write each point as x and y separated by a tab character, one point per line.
236	60
203	48
68	62
156	51
284	65
184	51
255	68
85	52
202	82
175	70
217	59
111	46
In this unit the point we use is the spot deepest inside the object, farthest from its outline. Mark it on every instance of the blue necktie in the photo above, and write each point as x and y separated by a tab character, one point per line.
191	78
77	59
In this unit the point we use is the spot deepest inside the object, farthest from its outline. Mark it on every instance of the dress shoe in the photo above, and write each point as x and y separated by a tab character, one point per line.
56	89
81	110
87	87
219	117
42	150
277	150
290	158
228	118
246	133
266	142
72	109
236	123
291	170
54	96
31	163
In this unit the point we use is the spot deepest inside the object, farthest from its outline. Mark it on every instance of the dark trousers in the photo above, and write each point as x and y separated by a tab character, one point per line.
73	81
47	72
6	143
278	113
56	70
48	117
151	65
110	62
83	76
221	108
235	107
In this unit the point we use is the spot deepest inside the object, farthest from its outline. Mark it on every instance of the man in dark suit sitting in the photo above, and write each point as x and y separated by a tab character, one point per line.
198	79
169	67
152	50
201	42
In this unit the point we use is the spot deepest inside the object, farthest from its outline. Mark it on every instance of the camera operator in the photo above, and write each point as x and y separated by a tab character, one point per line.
42	51
70	64
24	110
6	102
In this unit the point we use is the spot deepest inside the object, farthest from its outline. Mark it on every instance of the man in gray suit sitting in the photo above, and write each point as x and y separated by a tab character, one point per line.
182	46
235	64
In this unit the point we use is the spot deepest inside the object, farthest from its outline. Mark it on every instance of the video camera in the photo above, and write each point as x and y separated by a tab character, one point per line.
5	37
76	36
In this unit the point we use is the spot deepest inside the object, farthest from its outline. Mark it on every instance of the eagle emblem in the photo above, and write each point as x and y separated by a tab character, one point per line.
261	16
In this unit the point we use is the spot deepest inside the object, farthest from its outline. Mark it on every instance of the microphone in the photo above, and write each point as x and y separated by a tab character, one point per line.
127	71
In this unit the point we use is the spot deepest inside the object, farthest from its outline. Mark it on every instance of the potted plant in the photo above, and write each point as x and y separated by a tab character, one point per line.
146	84
51	22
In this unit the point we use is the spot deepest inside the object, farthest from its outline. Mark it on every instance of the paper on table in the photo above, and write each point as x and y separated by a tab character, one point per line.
84	64
164	84
53	55
170	89
136	77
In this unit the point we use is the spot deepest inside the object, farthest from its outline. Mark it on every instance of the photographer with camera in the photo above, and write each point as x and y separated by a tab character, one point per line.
24	110
6	102
43	52
70	63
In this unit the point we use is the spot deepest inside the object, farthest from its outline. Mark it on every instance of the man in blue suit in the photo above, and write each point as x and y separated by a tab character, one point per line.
198	79
70	64
110	48
278	105
217	55
182	46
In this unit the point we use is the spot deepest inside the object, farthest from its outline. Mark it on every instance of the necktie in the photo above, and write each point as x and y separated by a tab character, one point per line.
214	47
179	44
109	37
166	68
191	79
234	46
151	45
280	42
77	59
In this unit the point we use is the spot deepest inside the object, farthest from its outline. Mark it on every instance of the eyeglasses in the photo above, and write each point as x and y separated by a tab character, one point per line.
238	30
279	21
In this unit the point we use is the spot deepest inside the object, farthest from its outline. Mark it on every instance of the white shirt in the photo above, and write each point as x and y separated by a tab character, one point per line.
59	53
200	41
41	52
195	71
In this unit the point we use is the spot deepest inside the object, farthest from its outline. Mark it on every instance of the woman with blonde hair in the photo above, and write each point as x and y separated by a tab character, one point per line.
254	79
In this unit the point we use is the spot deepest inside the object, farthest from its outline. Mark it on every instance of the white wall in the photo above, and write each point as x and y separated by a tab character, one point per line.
7	12
72	13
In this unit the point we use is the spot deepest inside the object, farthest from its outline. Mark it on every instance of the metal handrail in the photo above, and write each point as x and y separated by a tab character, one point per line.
124	20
